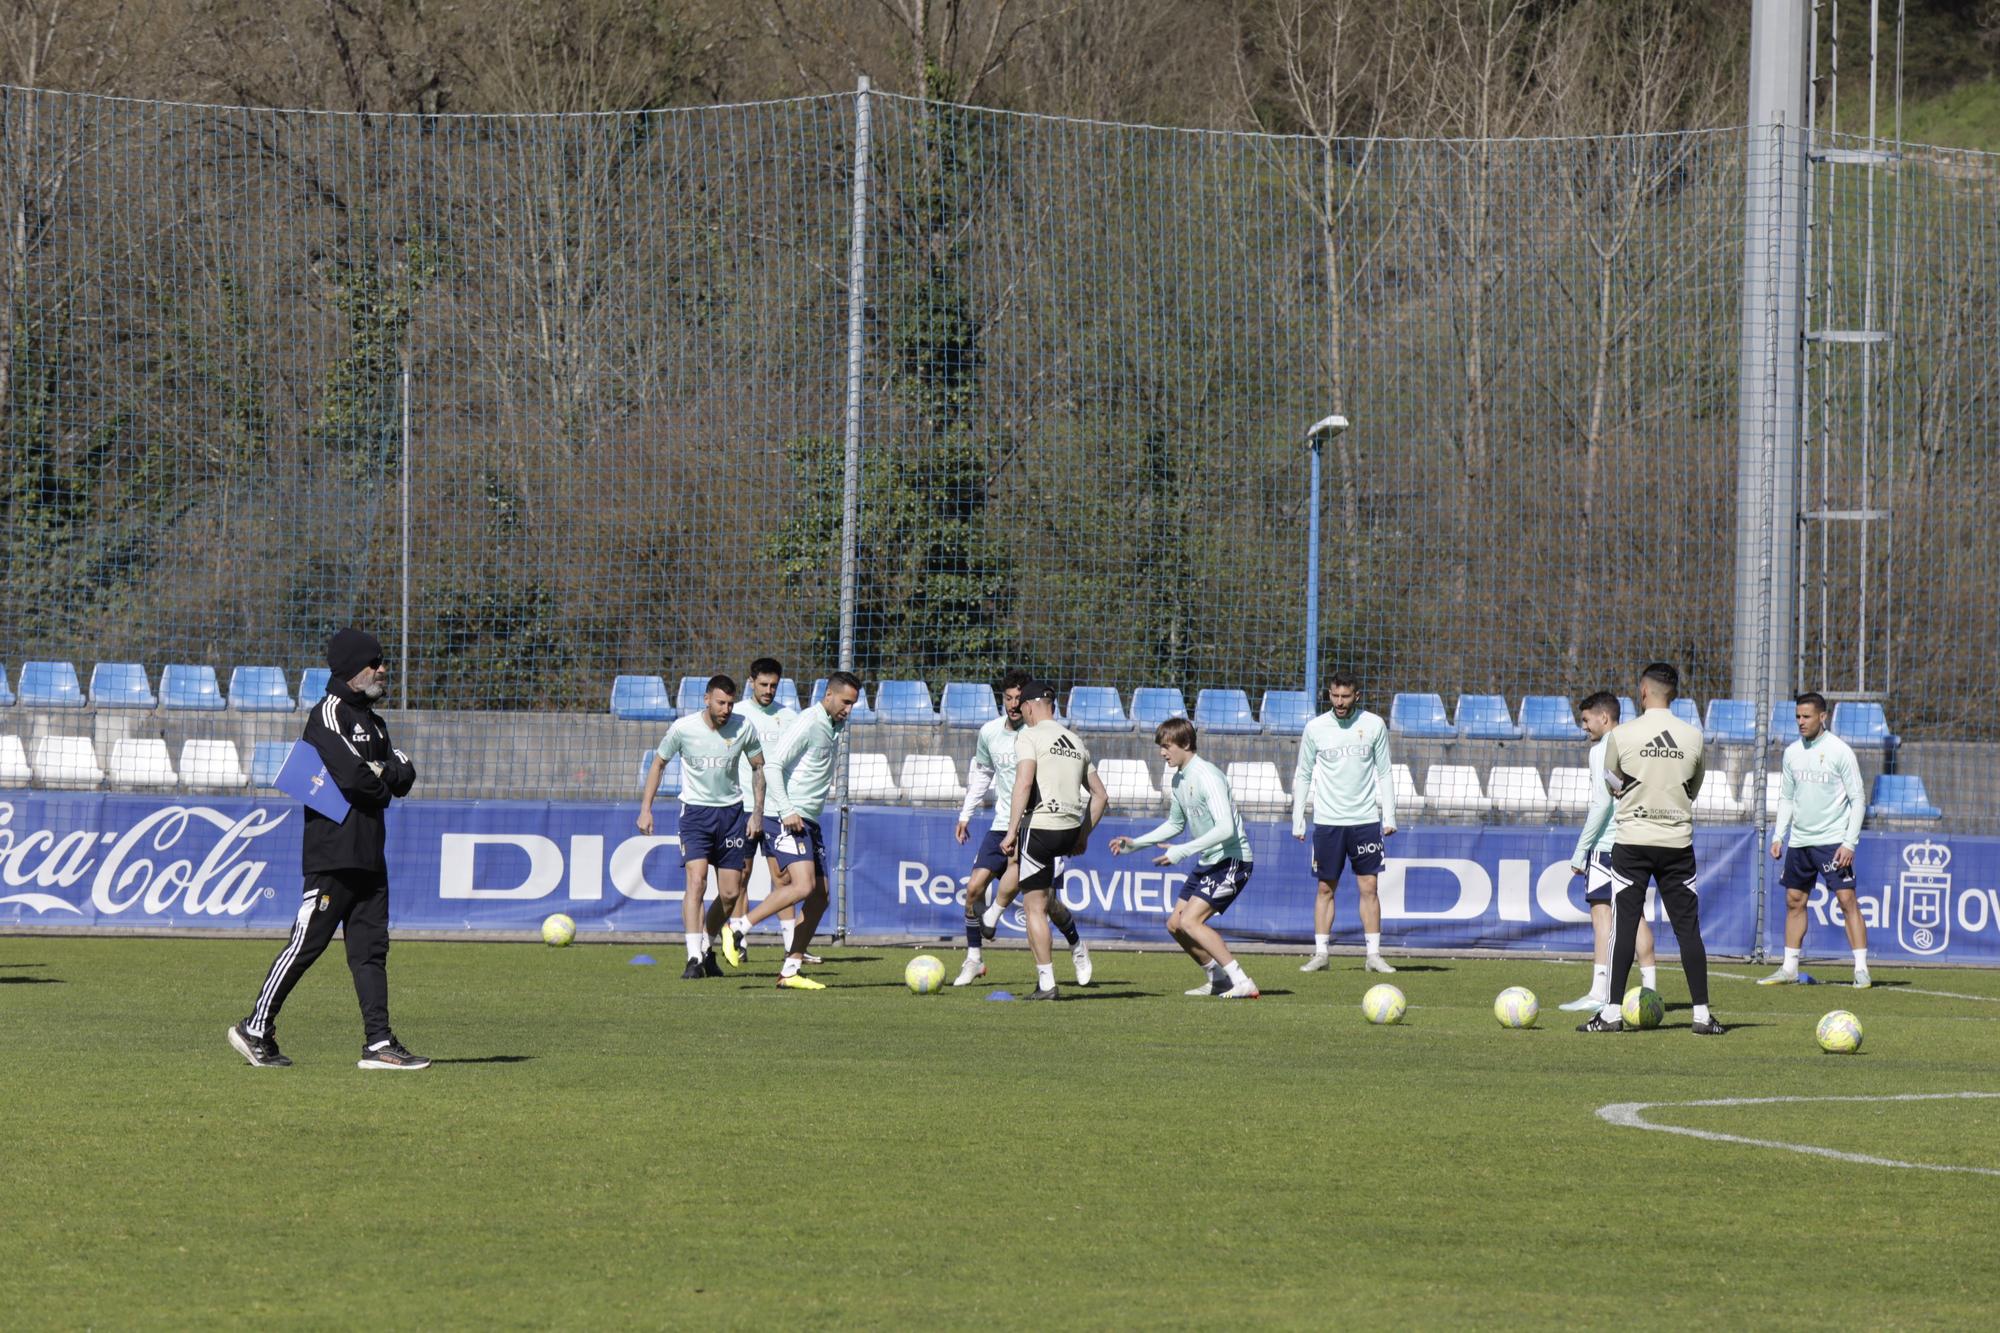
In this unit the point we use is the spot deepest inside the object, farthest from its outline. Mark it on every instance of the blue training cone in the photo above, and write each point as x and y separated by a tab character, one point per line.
1001	995
1808	979
642	960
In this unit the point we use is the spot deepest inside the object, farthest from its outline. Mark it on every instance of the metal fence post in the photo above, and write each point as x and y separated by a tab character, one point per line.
403	631
850	497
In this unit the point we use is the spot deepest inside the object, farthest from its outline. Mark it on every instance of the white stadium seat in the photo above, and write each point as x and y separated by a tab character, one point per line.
1517	791
141	762
66	761
1717	800
932	777
1453	789
212	764
1774	786
1569	790
869	778
1128	782
1409	802
1257	786
14	770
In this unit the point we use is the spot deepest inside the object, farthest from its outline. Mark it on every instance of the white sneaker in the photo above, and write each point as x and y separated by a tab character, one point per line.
971	972
1316	963
1861	981
1590	1002
1245	989
1779	978
1374	963
1205	988
1080	955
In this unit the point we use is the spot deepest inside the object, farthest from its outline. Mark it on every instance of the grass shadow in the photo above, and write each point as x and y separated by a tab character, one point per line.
484	1060
45	965
31	981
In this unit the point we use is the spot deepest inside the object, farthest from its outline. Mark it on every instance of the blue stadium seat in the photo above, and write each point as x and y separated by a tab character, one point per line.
266	760
1784	721
1285	712
1547	717
1627	710
1484	717
1422	716
692	696
670	781
1684	709
1154	704
6	690
1862	725
190	688
254	689
1732	722
1900	796
862	712
121	685
1096	708
50	685
312	685
969	704
1225	712
788	695
905	703
641	699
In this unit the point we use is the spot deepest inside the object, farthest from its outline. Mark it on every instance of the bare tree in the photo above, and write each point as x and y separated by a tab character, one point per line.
949	49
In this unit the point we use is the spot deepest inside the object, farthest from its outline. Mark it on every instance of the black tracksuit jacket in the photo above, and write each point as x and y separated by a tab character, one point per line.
349	736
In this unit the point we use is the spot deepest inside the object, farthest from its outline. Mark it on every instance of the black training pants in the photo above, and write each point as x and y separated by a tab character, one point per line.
1672	868
357	900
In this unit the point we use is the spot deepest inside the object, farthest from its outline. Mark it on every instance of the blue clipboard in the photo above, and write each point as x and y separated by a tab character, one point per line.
304	778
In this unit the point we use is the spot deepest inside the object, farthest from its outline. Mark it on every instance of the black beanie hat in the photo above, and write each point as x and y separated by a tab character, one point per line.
349	650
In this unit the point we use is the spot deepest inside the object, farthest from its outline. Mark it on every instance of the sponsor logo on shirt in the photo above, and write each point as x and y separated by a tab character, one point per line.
1064	748
1661	747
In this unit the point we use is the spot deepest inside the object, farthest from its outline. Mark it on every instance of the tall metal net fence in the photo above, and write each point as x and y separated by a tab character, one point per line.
550	401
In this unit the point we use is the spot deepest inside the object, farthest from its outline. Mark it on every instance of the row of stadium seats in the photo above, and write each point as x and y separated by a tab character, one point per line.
1449	789
183	688
1280	712
71	762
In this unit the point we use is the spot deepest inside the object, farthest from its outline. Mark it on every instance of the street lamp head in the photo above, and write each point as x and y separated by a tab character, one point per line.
1327	428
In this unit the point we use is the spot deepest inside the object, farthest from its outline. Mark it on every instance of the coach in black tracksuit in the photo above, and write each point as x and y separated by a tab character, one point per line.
346	872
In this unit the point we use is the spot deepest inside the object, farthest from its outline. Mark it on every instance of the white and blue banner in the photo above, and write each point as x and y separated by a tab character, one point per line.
88	860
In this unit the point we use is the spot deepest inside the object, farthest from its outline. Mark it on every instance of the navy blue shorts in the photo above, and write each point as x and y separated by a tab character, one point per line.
715	834
990	858
1597	879
1217	885
1338	845
789	848
1803	865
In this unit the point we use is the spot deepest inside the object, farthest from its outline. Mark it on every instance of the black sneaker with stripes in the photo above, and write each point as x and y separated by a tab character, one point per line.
260	1051
390	1054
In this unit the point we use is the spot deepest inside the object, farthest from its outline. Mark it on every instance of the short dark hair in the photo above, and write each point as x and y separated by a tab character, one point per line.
723	683
1664	674
1603	701
1175	731
1343	677
1813	697
765	666
847	678
1016	679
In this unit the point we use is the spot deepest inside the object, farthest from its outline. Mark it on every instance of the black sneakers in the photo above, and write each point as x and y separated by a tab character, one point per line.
390	1054
1045	993
260	1051
1709	1029
709	967
1599	1023
693	971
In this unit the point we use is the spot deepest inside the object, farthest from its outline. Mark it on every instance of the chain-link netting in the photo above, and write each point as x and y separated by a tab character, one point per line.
560	407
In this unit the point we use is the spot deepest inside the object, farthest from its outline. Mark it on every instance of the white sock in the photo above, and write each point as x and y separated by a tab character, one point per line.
1611	1013
1649	977
695	951
1792	961
971	956
707	942
789	926
1701	1013
1320	942
740	924
791	967
990	916
1214	970
1600	982
1374	942
1045	976
1861	958
1235	971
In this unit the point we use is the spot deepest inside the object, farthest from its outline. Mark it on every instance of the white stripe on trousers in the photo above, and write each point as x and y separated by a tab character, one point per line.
259	1024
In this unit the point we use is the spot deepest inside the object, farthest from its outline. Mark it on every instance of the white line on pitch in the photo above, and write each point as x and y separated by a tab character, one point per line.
1886	990
1632	1115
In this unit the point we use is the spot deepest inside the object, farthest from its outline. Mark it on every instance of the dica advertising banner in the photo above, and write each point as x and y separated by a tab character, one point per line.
123	862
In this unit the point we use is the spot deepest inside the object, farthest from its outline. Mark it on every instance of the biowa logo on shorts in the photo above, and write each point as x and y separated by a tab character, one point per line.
122	869
1923	925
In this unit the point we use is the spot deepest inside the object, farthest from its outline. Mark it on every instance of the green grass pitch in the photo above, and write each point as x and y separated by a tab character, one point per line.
603	1144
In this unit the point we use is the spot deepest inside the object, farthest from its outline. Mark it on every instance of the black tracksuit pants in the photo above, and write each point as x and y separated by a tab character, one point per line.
1672	868
357	900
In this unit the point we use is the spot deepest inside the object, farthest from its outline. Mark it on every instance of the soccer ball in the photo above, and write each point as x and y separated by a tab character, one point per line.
924	974
558	930
1643	1008
1516	1007
1384	1004
1839	1033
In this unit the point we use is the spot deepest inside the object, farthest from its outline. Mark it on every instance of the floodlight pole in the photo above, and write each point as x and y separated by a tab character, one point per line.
1324	429
850	490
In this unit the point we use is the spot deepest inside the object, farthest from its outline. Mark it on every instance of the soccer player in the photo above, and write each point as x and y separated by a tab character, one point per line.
1204	807
1820	804
1653	765
992	767
801	774
762	711
1592	857
1344	762
710	743
1058	799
